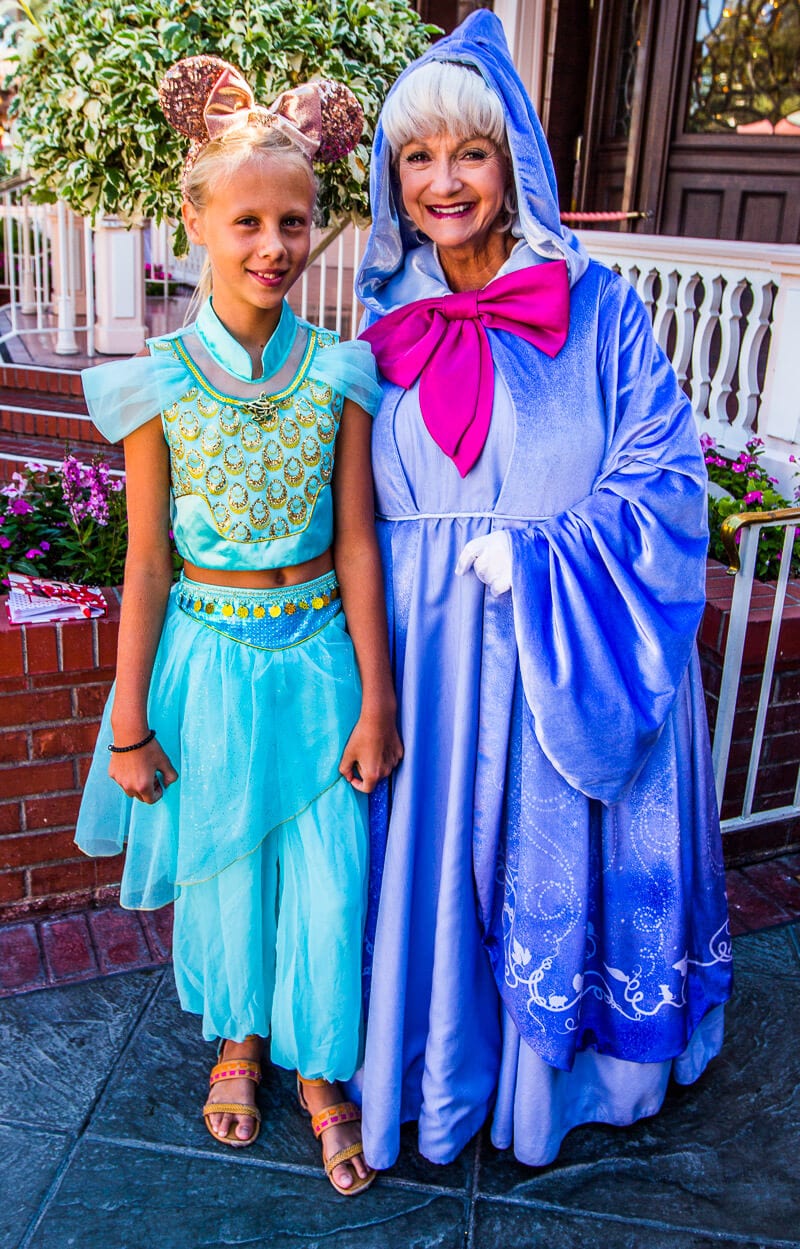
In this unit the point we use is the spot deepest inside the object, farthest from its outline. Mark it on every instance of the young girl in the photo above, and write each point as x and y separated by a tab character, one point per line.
247	722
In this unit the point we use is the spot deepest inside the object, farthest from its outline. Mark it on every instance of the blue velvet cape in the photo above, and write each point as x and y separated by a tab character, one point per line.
596	859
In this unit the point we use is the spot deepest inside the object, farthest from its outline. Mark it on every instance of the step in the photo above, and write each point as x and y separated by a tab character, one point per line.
41	380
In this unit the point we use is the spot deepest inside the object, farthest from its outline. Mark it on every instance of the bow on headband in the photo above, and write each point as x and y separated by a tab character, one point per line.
204	97
298	113
443	342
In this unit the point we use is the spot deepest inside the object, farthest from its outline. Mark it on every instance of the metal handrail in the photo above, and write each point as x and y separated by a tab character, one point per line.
732	524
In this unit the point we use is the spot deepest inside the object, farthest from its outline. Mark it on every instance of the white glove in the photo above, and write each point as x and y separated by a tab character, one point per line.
490	559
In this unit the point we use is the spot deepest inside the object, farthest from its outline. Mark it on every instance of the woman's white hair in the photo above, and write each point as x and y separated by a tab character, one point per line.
443	97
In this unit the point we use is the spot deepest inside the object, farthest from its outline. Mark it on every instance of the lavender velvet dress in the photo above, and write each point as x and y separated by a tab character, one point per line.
547	940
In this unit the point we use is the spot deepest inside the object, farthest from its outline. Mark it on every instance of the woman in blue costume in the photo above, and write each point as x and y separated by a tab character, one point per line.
547	938
247	722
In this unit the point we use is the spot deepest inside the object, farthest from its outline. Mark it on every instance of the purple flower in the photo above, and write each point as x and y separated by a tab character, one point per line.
707	442
5	542
20	507
45	546
753	496
33	553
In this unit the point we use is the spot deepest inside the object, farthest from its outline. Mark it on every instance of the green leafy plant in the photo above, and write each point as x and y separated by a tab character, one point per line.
88	126
68	523
744	485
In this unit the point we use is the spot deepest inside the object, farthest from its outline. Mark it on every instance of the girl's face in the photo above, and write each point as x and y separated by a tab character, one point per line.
453	189
256	228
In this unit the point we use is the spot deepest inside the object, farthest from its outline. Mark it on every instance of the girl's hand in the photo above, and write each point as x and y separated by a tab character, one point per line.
143	774
373	750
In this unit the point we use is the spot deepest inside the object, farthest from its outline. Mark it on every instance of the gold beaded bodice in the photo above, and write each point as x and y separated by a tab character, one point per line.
251	477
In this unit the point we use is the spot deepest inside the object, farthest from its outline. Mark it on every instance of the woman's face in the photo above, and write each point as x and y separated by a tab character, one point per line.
453	189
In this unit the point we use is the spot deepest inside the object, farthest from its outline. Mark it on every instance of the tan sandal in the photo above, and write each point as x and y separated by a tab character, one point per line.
332	1116
233	1069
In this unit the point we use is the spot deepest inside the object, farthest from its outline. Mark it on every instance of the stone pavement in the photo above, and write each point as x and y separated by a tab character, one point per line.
103	1146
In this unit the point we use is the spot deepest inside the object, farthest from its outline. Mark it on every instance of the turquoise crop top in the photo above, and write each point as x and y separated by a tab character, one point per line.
250	468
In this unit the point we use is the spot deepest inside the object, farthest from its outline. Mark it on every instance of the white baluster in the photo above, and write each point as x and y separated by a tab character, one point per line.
758	320
720	390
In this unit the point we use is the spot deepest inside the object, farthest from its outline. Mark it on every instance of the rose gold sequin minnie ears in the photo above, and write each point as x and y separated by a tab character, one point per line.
203	97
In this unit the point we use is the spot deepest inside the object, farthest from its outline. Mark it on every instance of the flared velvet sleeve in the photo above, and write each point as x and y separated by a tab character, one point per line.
350	368
124	394
608	595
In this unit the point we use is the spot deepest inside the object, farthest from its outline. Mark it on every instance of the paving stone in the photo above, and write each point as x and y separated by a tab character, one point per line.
23	1186
58	1047
722	1154
779	881
132	1198
750	909
411	1166
118	939
771	953
20	961
501	1224
158	930
68	949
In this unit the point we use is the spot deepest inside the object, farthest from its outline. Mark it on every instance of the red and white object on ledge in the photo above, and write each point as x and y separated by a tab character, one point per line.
37	600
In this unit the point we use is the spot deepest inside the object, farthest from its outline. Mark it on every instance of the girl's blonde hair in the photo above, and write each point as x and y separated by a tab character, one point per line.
218	163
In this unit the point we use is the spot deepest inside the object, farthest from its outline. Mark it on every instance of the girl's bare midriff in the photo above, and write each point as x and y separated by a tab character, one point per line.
263	579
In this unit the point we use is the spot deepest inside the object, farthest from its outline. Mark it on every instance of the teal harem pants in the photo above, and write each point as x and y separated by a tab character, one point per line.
260	843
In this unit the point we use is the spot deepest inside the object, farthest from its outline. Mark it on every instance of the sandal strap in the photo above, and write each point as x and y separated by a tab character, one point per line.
234	1069
344	1155
342	1112
232	1108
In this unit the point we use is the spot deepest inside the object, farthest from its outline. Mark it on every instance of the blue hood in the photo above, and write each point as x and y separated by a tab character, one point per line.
479	41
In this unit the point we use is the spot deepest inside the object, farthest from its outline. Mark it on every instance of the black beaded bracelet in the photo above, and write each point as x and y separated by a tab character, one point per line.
123	750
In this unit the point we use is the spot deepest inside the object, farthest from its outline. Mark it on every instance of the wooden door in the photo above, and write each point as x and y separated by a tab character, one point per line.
694	116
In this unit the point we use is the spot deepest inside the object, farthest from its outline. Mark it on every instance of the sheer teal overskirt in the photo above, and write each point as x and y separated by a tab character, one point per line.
260	842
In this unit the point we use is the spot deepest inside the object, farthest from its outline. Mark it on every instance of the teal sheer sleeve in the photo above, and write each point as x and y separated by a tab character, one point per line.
124	394
350	369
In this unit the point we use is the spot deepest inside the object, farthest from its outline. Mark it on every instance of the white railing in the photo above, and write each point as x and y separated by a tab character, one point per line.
728	316
745	530
47	271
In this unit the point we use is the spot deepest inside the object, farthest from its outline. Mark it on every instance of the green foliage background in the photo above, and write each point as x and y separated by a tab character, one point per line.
88	126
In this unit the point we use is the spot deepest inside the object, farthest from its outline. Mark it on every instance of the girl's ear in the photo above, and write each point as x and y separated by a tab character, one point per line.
193	222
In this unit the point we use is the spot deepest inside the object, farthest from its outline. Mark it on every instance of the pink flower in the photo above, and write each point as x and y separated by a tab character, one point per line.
20	507
33	553
5	542
753	496
706	442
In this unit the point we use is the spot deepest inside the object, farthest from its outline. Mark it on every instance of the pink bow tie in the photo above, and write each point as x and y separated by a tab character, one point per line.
443	341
